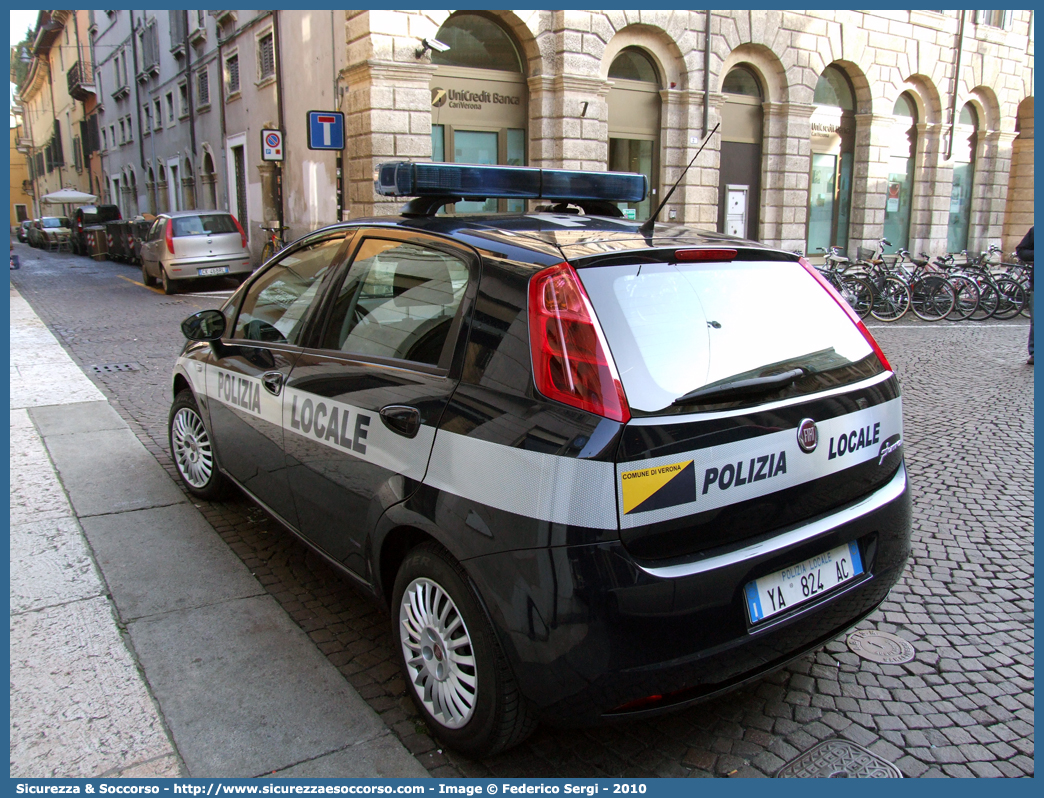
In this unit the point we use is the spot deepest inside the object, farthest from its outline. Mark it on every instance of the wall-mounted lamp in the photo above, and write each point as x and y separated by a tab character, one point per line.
431	44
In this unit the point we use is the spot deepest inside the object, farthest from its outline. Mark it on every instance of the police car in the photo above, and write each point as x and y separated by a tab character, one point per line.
594	469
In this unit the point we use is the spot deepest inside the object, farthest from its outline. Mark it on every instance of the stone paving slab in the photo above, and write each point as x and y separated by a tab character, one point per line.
95	468
164	559
381	757
78	705
78	417
51	564
244	693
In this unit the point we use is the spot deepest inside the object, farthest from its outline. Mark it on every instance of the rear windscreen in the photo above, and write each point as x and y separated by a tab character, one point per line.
204	224
674	329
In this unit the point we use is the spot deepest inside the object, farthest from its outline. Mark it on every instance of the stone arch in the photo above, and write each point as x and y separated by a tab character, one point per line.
925	95
524	37
208	179
765	64
864	96
986	104
654	42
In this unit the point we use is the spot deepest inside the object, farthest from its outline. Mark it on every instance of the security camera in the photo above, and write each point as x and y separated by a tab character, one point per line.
431	44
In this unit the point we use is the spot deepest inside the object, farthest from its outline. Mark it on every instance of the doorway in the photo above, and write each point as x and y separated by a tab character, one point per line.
739	173
634	124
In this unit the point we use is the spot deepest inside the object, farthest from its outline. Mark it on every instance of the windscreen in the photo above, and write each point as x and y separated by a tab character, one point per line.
204	224
717	329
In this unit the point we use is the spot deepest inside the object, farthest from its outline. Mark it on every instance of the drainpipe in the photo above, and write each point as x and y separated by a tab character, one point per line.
276	46
956	87
137	100
221	107
191	109
54	115
706	76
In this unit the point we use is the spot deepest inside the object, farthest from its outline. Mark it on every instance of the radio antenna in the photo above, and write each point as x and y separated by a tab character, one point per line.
650	223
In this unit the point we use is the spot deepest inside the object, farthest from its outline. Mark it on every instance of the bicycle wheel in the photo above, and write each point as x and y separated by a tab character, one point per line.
892	301
932	298
267	251
859	294
1011	298
966	292
988	299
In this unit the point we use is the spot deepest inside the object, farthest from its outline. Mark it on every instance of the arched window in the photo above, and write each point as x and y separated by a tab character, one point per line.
833	148
634	123
899	198
965	142
739	174
479	100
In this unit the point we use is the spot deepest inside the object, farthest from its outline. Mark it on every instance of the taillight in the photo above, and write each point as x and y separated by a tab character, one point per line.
242	234
840	300
170	236
571	360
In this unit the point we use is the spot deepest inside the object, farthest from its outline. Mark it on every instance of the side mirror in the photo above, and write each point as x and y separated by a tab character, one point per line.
207	325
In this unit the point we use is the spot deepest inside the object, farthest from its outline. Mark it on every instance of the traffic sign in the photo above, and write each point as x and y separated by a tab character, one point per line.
271	145
325	130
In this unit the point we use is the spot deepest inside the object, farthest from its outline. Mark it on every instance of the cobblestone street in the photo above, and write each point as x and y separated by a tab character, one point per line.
963	707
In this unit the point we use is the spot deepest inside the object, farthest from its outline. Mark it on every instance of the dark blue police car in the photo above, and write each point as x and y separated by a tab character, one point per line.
595	470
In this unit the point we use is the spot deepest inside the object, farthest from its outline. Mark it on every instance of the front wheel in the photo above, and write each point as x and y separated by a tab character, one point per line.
267	251
1011	298
192	449
932	298
457	674
859	293
147	278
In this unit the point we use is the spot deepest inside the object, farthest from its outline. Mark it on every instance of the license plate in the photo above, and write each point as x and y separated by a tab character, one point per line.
213	270
802	581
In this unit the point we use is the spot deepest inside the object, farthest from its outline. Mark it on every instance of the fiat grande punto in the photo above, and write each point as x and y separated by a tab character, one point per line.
595	470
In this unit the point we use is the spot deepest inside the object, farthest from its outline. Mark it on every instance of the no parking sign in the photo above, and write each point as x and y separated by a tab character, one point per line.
271	145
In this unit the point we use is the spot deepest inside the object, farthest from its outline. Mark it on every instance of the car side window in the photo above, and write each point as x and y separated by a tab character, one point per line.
275	307
398	300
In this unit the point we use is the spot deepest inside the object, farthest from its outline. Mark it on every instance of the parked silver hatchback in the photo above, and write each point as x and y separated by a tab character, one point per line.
187	245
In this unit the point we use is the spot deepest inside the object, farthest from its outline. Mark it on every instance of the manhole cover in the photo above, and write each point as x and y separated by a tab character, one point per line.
880	647
173	302
112	368
838	759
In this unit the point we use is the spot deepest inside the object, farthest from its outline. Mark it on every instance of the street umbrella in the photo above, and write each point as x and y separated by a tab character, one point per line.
70	195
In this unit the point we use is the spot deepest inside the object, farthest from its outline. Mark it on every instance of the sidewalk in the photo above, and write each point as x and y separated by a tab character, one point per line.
140	645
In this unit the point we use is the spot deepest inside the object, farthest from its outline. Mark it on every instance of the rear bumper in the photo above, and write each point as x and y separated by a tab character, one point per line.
590	631
189	269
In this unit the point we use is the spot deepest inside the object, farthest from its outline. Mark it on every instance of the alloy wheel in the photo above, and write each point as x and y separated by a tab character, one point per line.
439	657
192	451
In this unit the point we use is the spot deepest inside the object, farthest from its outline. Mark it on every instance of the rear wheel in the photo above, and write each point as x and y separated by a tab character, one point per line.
859	293
457	674
1011	298
192	449
966	293
988	300
168	284
892	300
932	298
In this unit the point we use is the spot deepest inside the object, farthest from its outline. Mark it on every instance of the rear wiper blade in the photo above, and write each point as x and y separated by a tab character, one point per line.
740	388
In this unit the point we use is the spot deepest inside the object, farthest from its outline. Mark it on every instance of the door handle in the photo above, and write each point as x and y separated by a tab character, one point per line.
273	382
401	419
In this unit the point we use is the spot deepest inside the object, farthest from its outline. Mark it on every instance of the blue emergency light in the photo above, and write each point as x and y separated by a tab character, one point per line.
405	179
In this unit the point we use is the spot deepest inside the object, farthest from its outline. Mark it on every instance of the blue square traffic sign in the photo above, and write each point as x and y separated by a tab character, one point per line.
325	130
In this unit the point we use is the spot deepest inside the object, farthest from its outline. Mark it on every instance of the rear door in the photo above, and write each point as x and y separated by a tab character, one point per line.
756	402
361	407
246	377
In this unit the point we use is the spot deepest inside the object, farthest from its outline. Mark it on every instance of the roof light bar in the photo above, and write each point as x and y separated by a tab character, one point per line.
407	179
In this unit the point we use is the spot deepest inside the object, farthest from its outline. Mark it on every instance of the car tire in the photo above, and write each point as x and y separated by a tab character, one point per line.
168	284
192	449
439	656
147	278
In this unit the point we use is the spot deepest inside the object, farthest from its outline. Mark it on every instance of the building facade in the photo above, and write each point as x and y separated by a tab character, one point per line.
19	198
55	102
819	128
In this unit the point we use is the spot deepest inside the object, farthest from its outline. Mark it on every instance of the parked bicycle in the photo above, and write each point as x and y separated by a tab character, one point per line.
275	241
855	289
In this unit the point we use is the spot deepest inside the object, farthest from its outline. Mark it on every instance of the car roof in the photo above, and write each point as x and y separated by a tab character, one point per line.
571	236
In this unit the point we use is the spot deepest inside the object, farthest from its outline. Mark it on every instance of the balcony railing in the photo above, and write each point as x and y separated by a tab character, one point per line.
81	80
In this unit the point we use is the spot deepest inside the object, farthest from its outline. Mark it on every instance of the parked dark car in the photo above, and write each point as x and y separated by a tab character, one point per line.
89	216
594	469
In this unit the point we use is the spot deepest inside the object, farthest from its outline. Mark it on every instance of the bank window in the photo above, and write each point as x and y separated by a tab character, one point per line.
397	301
275	308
